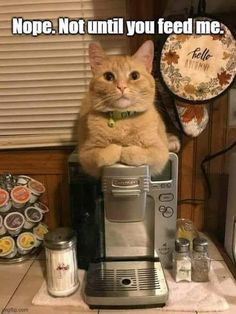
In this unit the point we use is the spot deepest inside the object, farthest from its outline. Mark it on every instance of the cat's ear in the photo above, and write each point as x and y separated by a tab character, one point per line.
145	54
96	56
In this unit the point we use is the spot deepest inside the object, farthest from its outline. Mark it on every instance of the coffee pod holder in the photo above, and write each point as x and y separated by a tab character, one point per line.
22	214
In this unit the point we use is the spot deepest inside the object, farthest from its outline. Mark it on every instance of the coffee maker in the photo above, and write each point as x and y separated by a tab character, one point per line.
126	224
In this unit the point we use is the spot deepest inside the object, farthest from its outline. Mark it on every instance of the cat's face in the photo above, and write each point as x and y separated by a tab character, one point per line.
122	83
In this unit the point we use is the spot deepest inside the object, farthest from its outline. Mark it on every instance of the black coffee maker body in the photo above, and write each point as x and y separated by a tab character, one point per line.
86	213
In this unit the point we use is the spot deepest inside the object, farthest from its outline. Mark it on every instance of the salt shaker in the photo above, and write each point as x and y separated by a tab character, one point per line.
182	260
62	272
200	260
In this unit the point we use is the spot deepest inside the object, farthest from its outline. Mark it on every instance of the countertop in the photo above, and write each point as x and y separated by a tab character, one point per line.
20	282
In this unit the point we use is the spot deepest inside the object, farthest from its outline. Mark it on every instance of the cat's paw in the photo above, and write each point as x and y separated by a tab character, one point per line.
133	156
109	155
173	143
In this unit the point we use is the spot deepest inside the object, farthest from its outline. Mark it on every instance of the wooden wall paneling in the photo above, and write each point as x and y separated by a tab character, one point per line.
139	10
217	204
53	185
179	185
37	161
199	191
224	174
209	214
186	177
231	137
65	200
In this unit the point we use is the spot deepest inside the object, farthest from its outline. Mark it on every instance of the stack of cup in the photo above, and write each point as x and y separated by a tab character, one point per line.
21	216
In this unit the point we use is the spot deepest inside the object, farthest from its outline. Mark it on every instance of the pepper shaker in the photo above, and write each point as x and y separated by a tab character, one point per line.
200	260
61	262
182	260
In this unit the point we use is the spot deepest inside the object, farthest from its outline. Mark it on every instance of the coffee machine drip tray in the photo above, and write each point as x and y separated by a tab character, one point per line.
125	284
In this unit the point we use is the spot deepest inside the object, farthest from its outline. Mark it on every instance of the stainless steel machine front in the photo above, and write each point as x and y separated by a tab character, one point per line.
126	285
140	214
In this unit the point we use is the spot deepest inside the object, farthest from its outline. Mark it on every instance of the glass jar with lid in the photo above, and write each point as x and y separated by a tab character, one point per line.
200	260
62	271
182	260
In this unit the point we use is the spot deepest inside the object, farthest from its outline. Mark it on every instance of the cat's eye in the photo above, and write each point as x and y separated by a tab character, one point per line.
109	76
134	75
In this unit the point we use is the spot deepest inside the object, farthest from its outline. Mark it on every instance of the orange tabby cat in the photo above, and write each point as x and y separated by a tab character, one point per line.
118	121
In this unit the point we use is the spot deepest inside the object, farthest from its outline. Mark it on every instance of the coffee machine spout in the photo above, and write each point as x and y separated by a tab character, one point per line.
125	191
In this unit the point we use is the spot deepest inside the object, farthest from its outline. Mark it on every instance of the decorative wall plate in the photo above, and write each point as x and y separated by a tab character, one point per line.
198	68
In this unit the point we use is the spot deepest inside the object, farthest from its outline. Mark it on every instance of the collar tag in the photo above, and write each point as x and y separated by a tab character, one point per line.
110	122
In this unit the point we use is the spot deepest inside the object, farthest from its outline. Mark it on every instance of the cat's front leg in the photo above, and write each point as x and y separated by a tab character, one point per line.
133	156
173	143
155	157
92	160
109	155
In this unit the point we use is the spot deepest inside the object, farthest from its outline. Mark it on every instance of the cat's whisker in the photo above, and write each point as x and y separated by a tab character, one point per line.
109	97
103	100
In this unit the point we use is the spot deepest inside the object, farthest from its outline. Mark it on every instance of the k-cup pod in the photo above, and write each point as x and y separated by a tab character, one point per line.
2	227
39	232
20	195
37	189
41	206
14	222
25	242
33	215
23	180
7	247
5	202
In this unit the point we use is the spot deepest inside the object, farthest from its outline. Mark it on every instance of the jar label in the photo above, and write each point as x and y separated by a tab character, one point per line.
6	245
34	214
62	267
183	270
26	240
61	270
42	207
40	231
36	186
3	197
14	220
20	194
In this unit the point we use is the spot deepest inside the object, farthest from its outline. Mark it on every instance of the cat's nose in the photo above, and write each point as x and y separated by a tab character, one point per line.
121	86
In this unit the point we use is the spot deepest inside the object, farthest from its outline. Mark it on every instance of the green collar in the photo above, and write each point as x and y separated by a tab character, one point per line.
114	116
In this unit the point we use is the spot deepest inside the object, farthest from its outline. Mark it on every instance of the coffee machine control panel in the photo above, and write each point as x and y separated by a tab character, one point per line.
163	190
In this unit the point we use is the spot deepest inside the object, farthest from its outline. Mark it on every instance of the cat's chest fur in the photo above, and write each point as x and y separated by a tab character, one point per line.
128	131
125	131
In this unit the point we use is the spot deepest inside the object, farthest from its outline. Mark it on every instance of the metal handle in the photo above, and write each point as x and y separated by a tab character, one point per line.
123	193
